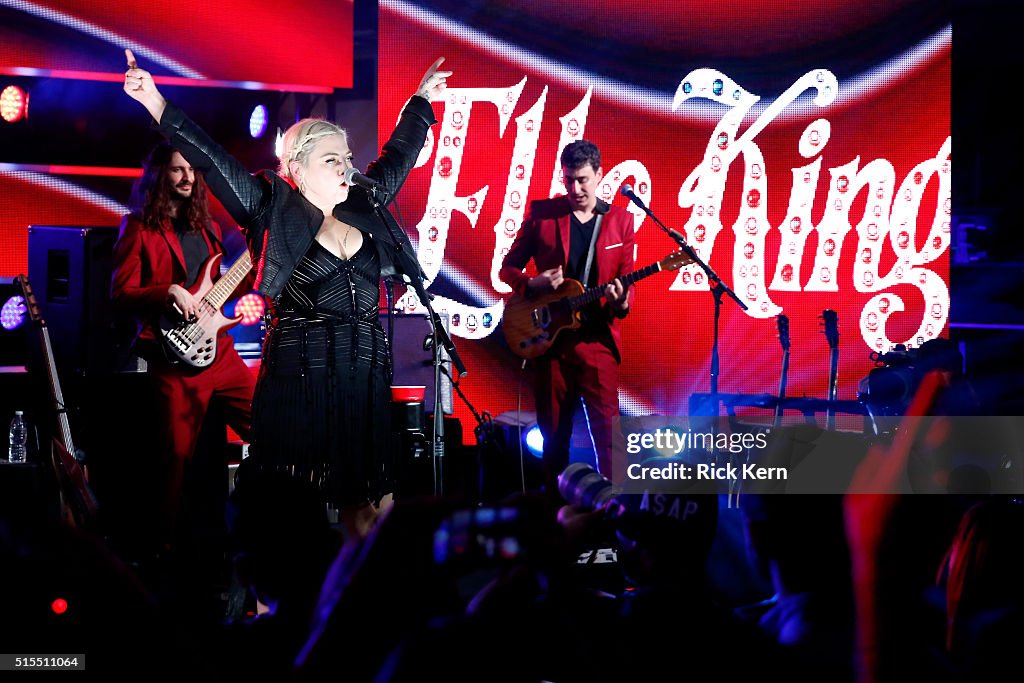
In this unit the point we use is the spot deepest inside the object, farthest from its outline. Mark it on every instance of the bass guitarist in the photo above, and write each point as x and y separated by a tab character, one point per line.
161	248
577	236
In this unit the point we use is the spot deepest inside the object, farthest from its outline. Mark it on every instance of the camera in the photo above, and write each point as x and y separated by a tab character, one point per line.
683	522
889	387
480	537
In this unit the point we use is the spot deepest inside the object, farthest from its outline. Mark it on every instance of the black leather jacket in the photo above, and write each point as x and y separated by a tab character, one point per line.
278	222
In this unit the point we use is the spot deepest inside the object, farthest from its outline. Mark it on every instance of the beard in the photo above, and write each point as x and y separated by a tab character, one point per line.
182	192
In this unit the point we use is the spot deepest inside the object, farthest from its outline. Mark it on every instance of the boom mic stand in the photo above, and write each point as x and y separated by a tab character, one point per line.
717	290
408	265
484	433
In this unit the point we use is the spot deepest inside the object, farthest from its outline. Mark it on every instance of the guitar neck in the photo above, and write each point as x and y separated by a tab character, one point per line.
595	293
782	388
55	391
36	316
833	374
220	292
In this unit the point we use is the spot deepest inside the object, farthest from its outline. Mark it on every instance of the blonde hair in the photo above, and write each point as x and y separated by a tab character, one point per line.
299	140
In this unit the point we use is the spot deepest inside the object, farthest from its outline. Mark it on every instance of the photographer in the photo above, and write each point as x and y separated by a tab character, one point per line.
524	618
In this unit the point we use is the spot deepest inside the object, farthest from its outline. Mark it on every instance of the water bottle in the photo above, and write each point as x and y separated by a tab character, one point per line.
19	438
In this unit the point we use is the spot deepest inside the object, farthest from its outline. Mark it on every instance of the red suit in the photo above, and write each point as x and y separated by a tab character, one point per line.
146	263
580	363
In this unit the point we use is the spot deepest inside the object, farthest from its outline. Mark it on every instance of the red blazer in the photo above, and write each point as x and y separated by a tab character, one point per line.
545	233
146	263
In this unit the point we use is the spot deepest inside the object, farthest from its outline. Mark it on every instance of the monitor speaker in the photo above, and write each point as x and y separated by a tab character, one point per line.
69	270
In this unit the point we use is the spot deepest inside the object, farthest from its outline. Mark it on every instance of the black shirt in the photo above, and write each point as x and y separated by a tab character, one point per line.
193	247
580	235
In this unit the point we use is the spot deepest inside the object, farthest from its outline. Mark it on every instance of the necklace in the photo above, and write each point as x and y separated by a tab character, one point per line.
344	240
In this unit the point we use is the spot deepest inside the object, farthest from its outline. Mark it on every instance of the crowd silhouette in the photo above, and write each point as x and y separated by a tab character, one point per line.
860	587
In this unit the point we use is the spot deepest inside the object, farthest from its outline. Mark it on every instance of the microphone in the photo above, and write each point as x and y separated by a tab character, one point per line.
627	191
354	177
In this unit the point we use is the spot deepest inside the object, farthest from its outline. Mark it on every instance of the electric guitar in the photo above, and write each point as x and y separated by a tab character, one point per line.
78	504
195	341
831	322
532	323
782	322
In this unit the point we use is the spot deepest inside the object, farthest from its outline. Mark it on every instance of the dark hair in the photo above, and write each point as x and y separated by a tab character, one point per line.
151	196
580	153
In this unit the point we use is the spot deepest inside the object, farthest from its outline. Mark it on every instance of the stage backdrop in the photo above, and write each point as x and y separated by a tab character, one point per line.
802	148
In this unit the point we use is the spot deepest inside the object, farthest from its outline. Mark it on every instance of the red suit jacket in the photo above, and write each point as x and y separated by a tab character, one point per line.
545	235
146	263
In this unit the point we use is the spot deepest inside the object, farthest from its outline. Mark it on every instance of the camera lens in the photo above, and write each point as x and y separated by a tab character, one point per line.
580	484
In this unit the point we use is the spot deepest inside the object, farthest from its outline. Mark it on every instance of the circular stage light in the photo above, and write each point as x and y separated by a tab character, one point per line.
13	104
258	121
250	307
12	315
534	441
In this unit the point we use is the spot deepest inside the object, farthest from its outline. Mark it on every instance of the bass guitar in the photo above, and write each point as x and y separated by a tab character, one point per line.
531	324
195	341
77	501
831	322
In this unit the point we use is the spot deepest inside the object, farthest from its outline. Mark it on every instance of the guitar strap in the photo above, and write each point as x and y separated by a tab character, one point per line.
590	251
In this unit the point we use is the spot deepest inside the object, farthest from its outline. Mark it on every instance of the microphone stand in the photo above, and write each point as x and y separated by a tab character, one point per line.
717	290
408	265
484	433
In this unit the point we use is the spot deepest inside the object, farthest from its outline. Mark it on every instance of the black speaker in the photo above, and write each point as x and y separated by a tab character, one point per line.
414	357
69	269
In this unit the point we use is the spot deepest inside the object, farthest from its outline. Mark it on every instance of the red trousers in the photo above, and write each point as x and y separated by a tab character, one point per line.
182	399
579	365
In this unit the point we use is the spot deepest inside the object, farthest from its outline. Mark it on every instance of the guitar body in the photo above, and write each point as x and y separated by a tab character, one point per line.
195	342
532	323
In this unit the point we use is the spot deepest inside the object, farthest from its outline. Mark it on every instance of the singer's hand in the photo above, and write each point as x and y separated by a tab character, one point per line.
617	295
434	82
547	281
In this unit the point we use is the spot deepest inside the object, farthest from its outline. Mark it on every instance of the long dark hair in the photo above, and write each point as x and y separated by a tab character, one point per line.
151	195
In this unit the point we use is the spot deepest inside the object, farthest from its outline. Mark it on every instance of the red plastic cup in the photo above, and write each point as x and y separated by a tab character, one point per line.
408	394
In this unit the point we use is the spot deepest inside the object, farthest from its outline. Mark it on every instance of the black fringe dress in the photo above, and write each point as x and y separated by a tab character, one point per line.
322	405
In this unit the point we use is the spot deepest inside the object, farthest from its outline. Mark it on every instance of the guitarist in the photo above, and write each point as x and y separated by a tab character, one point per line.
558	234
158	256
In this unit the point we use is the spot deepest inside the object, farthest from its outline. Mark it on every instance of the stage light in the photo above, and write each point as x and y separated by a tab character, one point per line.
278	143
258	121
250	307
12	315
59	606
13	104
522	426
534	441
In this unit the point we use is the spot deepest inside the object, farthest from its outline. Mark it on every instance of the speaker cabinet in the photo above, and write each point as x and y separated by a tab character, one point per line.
69	269
411	342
